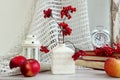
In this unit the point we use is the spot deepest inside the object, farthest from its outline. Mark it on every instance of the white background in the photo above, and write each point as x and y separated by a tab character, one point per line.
99	13
13	18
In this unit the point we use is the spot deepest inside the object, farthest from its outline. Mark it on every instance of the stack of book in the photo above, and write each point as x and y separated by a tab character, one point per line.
94	61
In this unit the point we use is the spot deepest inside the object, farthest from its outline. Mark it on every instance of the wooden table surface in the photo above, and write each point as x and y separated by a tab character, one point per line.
81	74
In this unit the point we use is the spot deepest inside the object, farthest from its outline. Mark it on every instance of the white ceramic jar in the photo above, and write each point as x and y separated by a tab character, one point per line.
62	62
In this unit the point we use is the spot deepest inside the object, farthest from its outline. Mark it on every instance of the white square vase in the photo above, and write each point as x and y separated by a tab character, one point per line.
62	62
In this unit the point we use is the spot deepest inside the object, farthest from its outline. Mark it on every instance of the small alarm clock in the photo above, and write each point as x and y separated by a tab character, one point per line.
100	38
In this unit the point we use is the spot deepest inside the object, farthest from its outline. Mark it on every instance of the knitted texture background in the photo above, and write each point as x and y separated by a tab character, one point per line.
46	30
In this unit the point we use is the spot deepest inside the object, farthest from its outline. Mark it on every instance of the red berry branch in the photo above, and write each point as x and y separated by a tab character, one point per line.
65	29
47	13
66	11
104	51
108	50
78	53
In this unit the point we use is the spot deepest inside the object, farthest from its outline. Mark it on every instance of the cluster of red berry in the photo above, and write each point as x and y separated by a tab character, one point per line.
66	11
104	51
78	54
107	50
47	13
66	30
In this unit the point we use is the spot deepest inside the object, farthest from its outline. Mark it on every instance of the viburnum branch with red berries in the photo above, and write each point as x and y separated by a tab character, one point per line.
65	30
107	50
47	13
104	51
65	12
78	53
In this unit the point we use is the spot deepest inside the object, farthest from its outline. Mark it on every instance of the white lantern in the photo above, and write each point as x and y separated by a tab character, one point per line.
31	47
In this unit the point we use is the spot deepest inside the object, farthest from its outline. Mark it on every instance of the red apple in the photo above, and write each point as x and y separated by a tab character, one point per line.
16	61
112	67
30	68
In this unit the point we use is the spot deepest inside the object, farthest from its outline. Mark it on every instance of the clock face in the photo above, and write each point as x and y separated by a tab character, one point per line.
99	39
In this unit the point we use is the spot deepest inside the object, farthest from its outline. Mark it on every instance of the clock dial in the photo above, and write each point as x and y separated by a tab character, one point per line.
99	39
